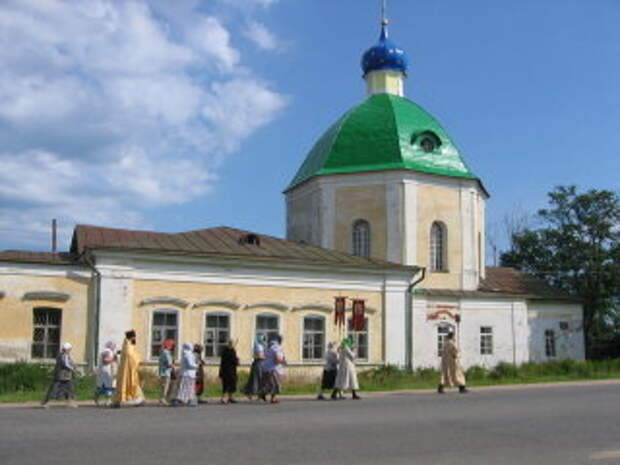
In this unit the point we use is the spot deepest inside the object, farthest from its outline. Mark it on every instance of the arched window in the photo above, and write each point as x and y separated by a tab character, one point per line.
438	247
361	238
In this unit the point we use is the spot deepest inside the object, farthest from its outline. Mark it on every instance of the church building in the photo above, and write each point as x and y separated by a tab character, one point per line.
383	215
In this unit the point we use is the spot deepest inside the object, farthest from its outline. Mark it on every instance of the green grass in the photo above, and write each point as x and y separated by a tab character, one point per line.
23	382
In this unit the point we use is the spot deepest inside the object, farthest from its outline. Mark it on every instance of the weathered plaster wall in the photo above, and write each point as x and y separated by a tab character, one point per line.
16	313
385	82
508	318
243	320
303	218
401	207
569	342
366	203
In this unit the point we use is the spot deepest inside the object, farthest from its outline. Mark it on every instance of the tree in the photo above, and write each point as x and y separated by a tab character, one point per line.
577	248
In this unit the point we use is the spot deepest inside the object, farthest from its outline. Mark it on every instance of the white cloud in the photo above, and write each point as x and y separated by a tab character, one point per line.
212	38
245	4
258	33
107	107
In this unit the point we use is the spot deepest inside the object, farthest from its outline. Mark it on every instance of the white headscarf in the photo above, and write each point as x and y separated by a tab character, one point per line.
188	346
66	346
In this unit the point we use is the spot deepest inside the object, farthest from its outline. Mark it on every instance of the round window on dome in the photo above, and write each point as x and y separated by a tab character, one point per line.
427	142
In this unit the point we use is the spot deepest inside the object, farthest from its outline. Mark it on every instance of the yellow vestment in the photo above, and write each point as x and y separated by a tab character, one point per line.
128	390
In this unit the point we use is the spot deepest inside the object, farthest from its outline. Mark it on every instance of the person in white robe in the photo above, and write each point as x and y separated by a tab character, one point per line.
451	370
106	374
186	393
347	373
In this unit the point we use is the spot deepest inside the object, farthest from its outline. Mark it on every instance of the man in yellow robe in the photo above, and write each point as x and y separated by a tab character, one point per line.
128	389
451	371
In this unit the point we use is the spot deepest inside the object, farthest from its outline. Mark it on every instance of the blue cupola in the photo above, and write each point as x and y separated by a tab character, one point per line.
385	55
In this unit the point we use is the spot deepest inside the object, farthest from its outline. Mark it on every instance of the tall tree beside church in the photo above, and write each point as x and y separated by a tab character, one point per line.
577	248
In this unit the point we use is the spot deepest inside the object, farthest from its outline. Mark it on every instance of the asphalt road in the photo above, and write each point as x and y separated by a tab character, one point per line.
553	425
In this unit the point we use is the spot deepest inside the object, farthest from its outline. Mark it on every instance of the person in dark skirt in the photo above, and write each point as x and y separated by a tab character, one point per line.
200	374
255	380
228	372
330	370
62	383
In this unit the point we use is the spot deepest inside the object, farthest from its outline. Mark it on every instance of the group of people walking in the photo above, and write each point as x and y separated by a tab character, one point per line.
118	378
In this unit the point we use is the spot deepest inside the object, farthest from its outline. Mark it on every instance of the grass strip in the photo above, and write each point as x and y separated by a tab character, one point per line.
25	382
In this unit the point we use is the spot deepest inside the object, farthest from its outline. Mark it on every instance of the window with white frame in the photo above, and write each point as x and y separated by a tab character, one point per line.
268	326
46	324
550	343
442	335
360	338
164	326
438	250
217	333
486	340
361	238
313	338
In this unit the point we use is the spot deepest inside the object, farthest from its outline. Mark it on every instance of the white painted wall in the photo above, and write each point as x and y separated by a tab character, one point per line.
395	324
569	343
115	311
518	330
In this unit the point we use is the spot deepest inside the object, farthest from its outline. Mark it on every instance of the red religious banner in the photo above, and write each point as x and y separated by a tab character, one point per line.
339	308
358	314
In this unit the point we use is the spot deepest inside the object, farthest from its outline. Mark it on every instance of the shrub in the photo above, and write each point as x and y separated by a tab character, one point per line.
24	377
477	372
504	370
427	374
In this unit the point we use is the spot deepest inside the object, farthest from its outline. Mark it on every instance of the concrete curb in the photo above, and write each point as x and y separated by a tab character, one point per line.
369	394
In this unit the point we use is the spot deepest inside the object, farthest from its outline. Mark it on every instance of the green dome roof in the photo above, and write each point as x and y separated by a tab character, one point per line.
385	132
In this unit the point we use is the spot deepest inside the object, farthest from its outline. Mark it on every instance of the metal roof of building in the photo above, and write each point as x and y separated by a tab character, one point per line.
219	241
49	258
502	282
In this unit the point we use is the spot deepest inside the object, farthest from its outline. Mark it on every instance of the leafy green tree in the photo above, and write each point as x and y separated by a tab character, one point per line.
577	248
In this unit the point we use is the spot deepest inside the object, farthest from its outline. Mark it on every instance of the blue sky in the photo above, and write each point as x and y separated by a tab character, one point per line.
183	115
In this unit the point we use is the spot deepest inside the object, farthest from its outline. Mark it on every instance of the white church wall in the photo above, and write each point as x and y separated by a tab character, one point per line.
115	310
395	325
506	317
508	322
566	322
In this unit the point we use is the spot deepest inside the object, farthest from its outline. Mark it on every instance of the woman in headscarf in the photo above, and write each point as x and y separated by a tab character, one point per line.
273	369
347	373
165	368
106	374
330	370
62	381
255	381
186	393
228	372
200	373
128	389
